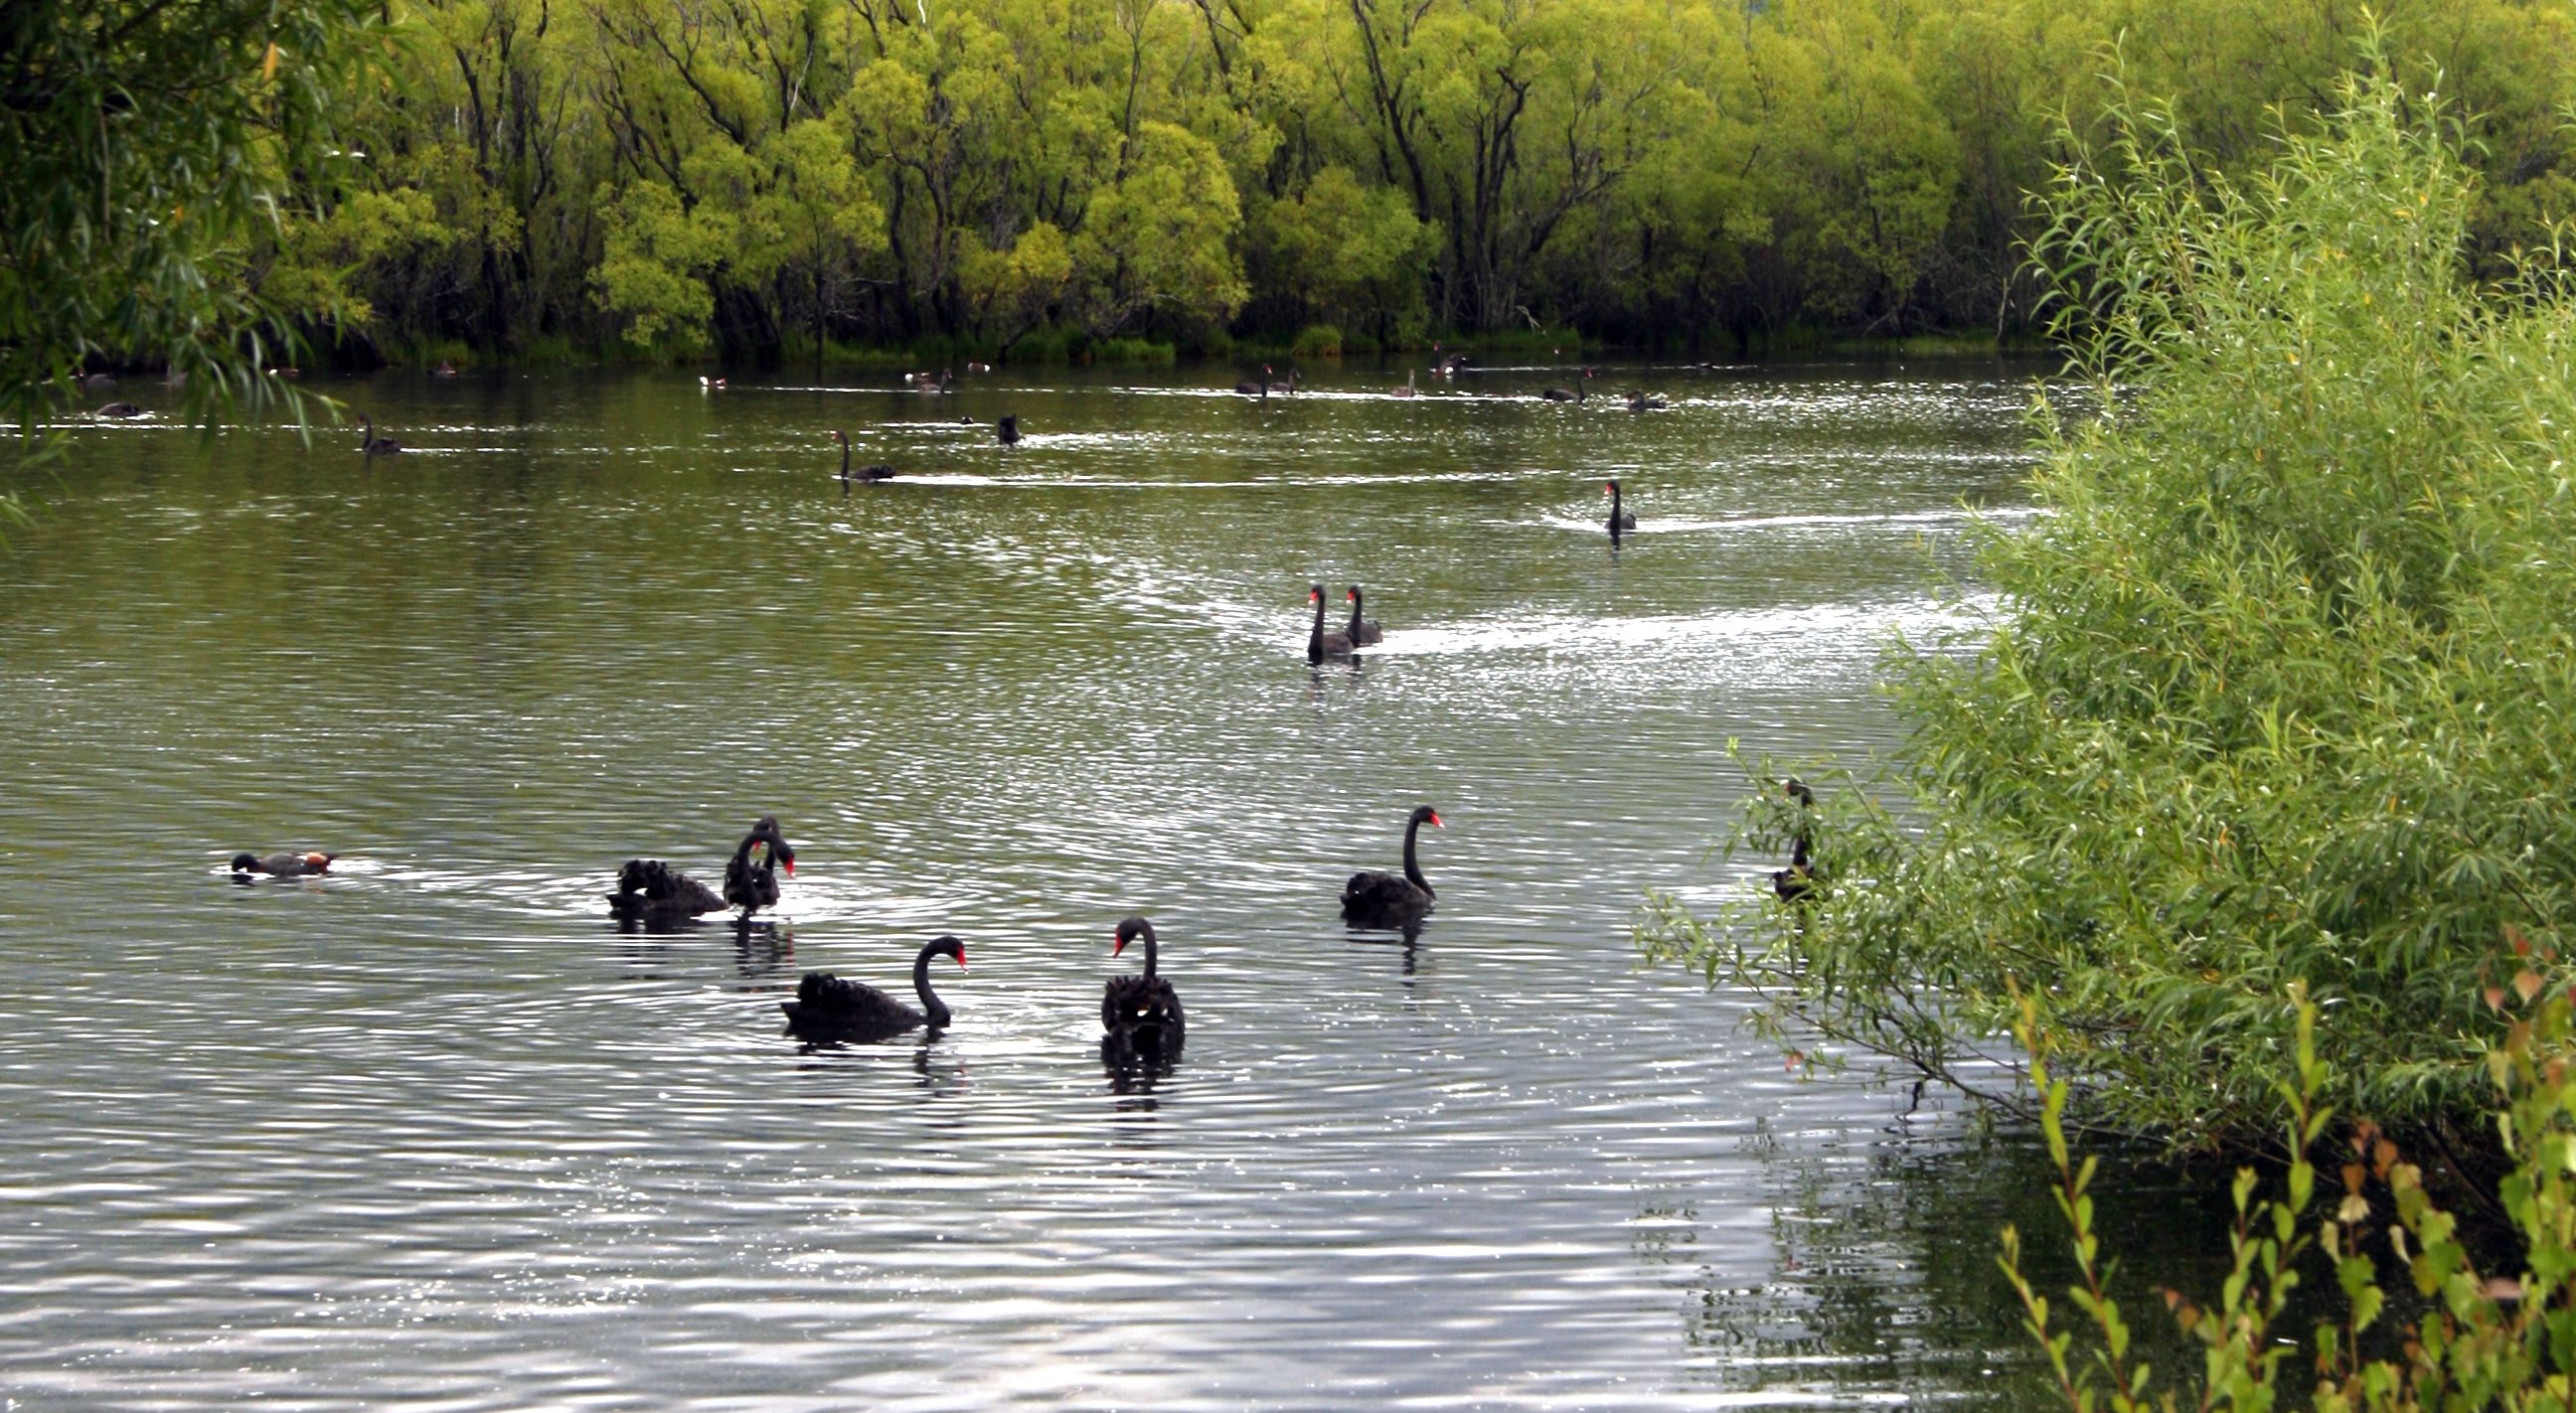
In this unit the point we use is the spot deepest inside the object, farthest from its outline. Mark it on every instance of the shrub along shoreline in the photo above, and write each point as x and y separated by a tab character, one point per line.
2283	690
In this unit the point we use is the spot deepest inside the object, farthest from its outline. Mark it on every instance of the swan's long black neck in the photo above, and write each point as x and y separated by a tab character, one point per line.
1315	643
1413	865
845	458
1614	510
1355	615
1145	935
931	1006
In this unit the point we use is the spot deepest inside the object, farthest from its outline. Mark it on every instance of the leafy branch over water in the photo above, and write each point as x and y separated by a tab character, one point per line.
2281	688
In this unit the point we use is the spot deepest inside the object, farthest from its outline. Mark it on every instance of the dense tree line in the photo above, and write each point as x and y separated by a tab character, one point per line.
760	177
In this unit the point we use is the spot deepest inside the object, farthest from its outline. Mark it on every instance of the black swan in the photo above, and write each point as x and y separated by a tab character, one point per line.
1619	519
1643	402
286	865
1008	429
1383	899
1255	387
651	891
120	409
829	1008
1320	644
1363	632
369	444
864	473
1798	882
753	886
1288	387
1573	394
1141	1013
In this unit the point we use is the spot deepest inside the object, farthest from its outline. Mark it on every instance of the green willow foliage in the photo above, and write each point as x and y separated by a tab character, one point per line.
153	152
2475	1340
2282	688
758	176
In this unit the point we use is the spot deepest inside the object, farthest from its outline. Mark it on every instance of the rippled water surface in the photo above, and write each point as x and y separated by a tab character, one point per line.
430	1128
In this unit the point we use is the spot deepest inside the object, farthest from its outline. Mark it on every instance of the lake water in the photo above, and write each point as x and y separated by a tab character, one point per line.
430	1129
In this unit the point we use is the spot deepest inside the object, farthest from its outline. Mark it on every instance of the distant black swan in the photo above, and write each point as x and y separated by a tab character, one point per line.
651	891
1008	429
1320	644
1575	394
1798	882
284	865
1383	899
1363	632
752	886
1141	1015
864	473
829	1008
1619	519
371	445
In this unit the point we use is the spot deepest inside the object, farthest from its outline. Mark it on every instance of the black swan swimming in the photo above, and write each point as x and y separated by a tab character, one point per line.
1255	387
1641	401
828	1007
1008	429
1798	882
369	444
752	886
1575	394
1289	387
119	409
1619	519
284	865
651	891
1320	644
864	473
1141	1014
1385	900
1363	632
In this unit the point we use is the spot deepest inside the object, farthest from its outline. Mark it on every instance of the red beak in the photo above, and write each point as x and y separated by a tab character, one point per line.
961	959
1119	947
1435	822
789	865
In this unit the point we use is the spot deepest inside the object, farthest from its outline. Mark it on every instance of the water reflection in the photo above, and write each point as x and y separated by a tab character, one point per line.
445	1136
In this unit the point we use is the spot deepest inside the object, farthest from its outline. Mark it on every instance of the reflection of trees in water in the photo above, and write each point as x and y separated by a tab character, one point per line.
1881	1280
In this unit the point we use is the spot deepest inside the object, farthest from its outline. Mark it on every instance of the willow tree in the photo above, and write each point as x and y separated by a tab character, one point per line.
151	150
